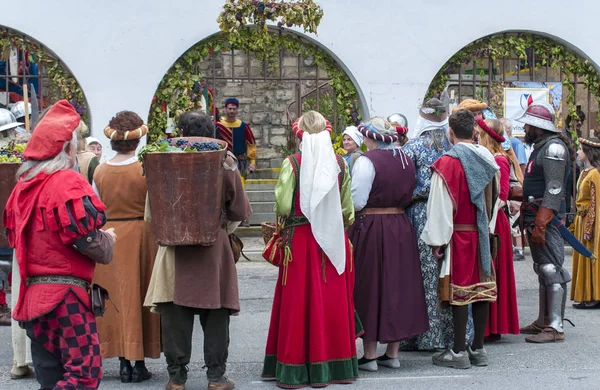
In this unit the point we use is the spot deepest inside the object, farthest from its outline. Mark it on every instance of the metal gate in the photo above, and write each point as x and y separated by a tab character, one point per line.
483	80
28	71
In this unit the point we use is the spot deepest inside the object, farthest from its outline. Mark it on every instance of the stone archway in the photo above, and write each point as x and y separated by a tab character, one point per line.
272	91
483	68
26	61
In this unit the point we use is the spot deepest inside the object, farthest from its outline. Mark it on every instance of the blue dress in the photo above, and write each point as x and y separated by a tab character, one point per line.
424	151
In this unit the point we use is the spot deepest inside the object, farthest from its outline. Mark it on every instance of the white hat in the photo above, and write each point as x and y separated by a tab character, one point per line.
91	140
352	132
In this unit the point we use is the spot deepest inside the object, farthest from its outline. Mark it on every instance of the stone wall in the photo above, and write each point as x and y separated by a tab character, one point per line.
265	100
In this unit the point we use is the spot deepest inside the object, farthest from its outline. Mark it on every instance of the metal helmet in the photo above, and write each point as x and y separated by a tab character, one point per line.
398	119
7	120
18	109
540	115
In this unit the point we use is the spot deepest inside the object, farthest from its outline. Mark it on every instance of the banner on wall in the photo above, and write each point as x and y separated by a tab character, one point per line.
523	93
516	101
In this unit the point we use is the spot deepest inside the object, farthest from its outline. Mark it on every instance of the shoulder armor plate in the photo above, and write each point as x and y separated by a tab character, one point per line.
556	151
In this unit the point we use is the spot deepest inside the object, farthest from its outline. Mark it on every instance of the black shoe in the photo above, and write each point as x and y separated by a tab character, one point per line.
125	371
140	373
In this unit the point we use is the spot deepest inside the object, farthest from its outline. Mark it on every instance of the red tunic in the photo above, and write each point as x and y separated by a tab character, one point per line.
504	316
226	134
44	216
312	334
467	282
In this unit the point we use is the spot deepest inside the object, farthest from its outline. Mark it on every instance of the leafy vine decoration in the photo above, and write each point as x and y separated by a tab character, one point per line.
176	90
547	52
64	84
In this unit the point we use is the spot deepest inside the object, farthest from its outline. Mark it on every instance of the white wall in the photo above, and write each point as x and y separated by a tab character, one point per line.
120	50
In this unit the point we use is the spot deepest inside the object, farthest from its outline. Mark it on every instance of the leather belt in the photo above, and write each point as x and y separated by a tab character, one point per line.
465	227
381	210
57	279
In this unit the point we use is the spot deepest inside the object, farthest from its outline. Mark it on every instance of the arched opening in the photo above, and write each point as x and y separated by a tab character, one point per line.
25	61
296	76
486	67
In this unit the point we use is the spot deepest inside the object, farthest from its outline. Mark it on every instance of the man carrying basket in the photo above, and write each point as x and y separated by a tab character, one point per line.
200	280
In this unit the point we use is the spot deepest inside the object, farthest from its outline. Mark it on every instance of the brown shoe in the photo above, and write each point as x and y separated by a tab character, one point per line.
172	386
548	335
229	384
532	328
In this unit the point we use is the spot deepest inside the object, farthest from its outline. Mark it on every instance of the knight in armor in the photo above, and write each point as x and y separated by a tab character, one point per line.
544	198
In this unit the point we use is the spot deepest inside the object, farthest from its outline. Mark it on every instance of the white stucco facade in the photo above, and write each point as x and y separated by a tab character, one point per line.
120	50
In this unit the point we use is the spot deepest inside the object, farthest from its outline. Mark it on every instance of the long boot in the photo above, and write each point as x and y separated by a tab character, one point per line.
140	372
125	370
554	331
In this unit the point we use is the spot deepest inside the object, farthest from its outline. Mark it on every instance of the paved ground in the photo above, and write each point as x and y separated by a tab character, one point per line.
514	364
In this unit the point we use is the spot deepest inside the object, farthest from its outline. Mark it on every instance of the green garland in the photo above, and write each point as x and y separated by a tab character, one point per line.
176	88
546	50
65	84
237	14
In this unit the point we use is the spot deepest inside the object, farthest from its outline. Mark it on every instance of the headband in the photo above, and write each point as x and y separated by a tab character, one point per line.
481	123
589	143
299	133
369	132
117	135
401	130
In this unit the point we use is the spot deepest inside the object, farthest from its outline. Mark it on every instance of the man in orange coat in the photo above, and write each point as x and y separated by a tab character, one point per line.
53	219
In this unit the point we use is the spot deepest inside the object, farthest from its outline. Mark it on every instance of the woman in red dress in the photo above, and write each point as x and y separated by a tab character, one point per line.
312	335
504	315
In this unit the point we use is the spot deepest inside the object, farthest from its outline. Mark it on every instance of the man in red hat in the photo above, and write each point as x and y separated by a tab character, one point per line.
53	220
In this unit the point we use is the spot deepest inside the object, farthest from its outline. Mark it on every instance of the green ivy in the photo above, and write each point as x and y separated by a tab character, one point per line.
62	81
546	50
176	88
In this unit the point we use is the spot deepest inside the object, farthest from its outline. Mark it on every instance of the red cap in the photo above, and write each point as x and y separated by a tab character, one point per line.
51	133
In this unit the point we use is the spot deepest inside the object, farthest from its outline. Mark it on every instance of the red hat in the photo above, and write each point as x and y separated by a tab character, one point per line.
51	133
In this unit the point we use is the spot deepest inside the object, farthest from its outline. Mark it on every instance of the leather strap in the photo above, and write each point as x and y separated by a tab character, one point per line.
381	210
467	227
57	279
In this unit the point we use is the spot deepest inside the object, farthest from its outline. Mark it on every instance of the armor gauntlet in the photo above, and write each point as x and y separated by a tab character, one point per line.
555	159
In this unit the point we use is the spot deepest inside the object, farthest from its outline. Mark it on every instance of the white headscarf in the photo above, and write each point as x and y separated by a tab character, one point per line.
424	125
320	196
352	132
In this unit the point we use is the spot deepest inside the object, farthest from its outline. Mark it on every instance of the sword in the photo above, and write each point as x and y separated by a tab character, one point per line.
35	111
564	232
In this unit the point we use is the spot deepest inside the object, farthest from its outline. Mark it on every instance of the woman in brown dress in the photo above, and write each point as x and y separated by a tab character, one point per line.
132	333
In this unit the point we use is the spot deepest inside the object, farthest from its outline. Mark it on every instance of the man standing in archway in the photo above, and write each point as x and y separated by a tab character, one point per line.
545	180
239	137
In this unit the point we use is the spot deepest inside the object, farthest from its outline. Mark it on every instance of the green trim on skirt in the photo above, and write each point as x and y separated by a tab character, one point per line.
310	374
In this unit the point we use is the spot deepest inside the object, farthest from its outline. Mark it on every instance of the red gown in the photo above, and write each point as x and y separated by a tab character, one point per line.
312	335
504	315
